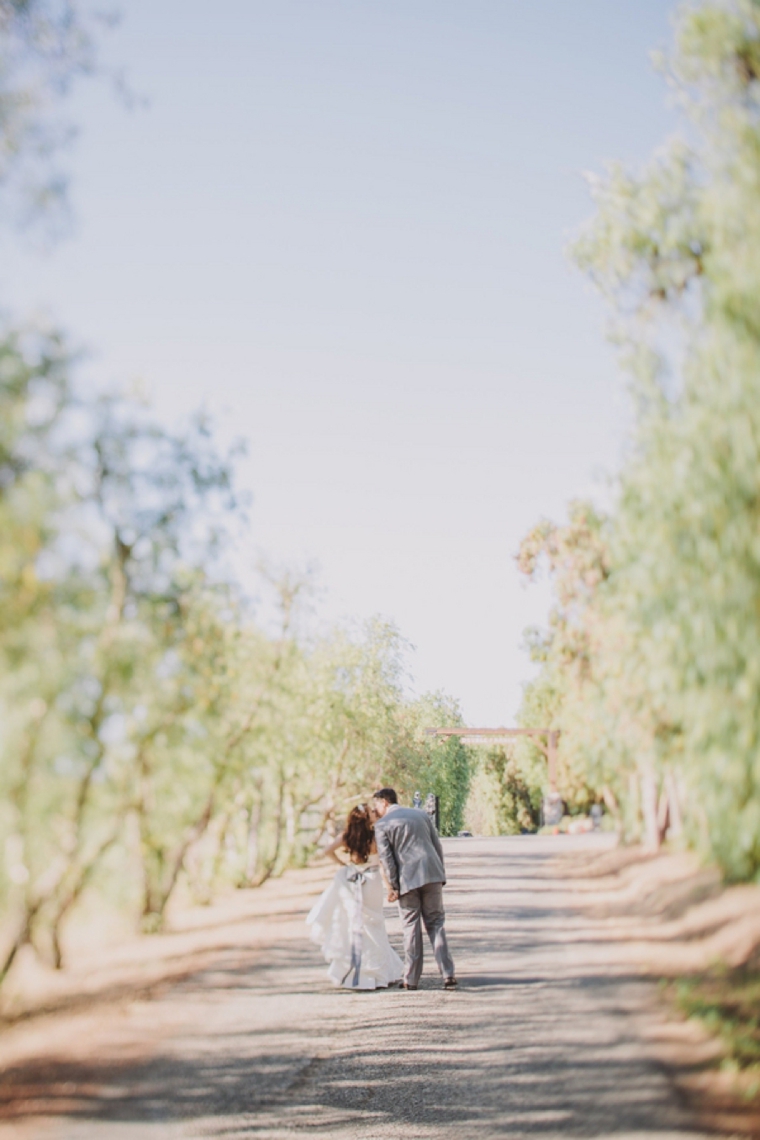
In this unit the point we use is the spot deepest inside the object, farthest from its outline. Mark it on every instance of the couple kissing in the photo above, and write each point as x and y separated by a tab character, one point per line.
393	849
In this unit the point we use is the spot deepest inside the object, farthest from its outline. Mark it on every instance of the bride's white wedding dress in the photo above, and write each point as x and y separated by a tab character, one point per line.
347	924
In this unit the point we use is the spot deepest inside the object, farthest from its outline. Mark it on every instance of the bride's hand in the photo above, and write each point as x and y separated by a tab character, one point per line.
392	896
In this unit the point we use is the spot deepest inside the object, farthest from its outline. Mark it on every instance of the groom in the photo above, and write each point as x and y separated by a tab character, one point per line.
412	857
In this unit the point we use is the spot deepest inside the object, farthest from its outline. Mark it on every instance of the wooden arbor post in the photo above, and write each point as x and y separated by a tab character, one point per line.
499	735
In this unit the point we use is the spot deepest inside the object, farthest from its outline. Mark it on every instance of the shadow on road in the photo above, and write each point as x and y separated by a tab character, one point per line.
531	1044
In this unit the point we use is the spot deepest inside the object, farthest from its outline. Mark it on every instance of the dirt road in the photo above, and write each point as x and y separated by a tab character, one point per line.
542	1038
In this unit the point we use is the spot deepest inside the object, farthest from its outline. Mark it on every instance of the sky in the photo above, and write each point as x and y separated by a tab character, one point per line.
341	227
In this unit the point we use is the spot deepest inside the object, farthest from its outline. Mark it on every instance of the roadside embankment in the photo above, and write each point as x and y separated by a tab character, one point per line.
673	919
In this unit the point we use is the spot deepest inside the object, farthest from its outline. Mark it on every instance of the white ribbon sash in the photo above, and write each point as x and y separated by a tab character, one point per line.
357	877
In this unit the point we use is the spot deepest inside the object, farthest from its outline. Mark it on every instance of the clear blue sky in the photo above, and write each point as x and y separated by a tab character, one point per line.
341	226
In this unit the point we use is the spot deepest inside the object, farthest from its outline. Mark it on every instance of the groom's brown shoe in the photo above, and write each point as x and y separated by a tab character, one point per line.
406	986
450	983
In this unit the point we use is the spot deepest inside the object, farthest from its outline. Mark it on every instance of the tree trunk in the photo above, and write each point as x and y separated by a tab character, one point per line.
632	825
663	814
74	892
252	853
23	938
649	808
674	801
220	852
610	802
163	891
152	916
23	935
269	865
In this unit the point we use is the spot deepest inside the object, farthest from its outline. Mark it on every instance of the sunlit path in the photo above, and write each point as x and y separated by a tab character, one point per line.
539	1040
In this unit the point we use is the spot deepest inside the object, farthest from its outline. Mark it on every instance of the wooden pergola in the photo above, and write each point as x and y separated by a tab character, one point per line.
545	738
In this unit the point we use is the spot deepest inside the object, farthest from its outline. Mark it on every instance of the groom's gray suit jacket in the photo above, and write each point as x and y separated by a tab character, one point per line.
409	849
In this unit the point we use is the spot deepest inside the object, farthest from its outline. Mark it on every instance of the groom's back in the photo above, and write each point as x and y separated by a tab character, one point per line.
408	836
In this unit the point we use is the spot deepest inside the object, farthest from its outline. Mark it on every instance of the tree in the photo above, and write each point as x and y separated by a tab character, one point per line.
505	797
576	558
104	514
676	679
45	45
418	762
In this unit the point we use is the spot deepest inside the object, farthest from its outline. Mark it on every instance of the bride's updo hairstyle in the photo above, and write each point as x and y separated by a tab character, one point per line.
358	835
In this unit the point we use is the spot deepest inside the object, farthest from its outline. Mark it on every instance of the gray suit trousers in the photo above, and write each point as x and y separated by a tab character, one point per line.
424	905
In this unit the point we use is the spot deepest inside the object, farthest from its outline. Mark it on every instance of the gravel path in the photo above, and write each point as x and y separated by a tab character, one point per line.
540	1040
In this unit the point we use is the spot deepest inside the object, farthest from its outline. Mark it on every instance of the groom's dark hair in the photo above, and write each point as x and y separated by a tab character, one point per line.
386	794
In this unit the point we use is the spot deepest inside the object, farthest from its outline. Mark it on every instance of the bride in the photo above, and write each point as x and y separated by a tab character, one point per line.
347	920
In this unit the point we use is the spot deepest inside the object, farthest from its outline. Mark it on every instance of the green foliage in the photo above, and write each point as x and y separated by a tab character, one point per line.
505	798
450	780
727	1002
660	693
152	733
576	557
45	45
419	762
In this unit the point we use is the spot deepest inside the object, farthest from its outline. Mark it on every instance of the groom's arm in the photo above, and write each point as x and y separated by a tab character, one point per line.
387	858
436	842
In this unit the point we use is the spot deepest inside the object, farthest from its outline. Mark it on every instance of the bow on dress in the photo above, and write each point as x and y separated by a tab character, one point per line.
357	877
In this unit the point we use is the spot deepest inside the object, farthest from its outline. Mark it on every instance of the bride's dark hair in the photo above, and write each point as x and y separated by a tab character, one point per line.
359	833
